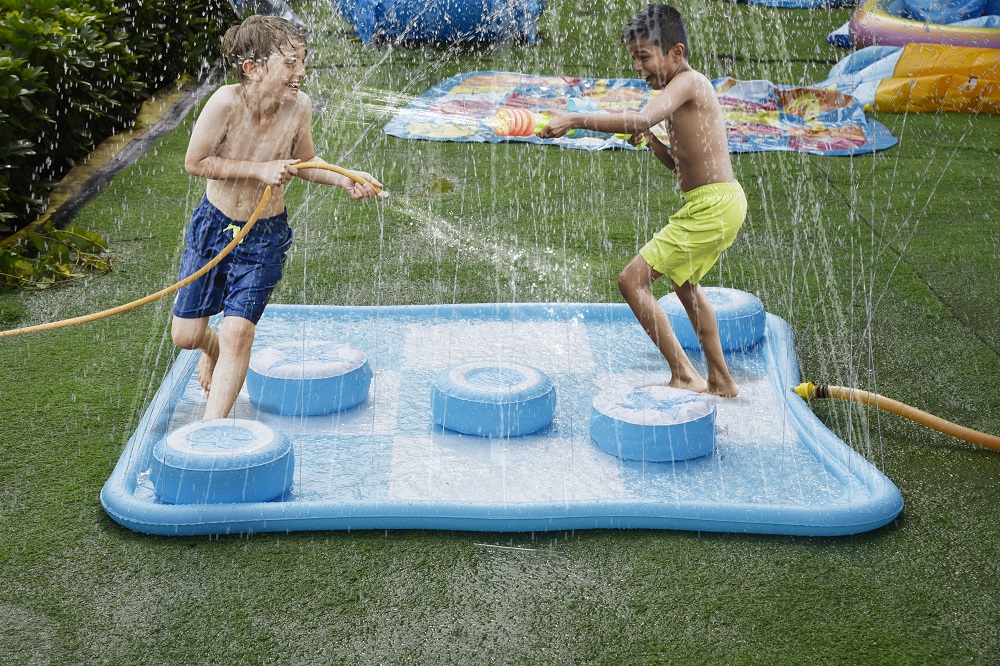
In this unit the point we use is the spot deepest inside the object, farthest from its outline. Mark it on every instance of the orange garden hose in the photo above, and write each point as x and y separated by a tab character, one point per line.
808	391
237	239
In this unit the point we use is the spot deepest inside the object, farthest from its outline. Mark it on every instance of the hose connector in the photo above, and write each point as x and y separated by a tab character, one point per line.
806	391
809	391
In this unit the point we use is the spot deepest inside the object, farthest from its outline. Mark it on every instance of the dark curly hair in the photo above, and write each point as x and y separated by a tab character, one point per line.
661	25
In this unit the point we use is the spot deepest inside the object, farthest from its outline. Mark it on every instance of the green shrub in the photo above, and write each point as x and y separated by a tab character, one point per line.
81	94
174	38
46	256
19	118
72	73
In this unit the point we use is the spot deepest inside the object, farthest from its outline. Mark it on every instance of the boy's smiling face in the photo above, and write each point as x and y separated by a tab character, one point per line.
653	64
284	71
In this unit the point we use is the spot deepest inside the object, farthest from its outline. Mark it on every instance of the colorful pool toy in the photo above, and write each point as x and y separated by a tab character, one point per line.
920	78
519	122
884	23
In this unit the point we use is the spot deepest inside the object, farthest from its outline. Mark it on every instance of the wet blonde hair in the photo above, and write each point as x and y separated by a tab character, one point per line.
256	39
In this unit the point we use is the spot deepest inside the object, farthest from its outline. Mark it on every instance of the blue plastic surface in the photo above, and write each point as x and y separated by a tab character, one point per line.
943	11
222	461
308	378
385	465
493	399
740	315
654	423
442	20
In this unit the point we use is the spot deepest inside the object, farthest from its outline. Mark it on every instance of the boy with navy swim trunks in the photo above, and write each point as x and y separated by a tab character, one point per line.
249	136
714	203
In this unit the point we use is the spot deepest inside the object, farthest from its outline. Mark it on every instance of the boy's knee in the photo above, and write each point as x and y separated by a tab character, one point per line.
186	340
631	280
625	283
187	335
236	335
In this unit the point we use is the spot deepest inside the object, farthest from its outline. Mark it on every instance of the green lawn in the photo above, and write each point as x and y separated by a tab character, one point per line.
886	267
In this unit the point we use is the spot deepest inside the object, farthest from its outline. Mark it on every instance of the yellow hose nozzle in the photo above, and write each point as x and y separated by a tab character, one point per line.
806	391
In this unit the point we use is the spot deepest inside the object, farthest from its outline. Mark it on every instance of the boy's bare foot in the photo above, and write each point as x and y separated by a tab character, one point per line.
696	383
209	357
206	368
724	389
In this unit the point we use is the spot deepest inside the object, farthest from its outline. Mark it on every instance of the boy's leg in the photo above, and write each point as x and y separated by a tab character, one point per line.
702	317
635	284
197	334
235	339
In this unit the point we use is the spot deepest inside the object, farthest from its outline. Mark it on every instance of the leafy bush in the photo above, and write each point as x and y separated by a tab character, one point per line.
47	256
72	73
81	84
174	38
19	82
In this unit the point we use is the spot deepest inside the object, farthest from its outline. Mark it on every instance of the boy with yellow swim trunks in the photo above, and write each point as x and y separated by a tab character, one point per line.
714	203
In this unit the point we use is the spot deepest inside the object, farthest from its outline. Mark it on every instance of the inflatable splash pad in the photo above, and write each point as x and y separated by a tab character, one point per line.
567	379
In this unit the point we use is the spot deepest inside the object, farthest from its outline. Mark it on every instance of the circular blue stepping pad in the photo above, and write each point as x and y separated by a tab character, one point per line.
493	399
221	461
308	378
740	315
653	423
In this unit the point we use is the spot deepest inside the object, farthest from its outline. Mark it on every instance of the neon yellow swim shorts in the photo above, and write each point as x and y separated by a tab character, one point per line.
687	248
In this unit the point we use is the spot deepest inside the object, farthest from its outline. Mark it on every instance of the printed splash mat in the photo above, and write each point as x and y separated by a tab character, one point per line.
760	116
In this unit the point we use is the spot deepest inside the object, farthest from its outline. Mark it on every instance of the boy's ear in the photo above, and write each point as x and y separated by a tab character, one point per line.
678	51
249	67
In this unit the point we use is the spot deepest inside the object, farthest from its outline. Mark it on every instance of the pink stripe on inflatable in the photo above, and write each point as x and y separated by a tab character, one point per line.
871	25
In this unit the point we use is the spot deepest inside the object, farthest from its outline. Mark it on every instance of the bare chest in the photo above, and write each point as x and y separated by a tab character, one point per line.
696	129
259	140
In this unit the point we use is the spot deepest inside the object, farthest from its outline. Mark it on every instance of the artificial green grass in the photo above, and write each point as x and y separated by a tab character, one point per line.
884	265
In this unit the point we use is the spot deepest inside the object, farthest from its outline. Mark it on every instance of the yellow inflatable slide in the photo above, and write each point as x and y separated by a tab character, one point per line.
920	78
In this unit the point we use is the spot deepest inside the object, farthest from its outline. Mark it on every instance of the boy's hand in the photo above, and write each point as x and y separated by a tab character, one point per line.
360	191
640	139
278	172
559	125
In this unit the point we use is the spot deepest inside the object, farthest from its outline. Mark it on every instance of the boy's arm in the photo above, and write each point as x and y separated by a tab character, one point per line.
304	151
354	188
208	134
661	151
672	97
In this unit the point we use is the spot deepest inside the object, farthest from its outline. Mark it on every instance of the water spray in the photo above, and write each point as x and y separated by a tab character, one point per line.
237	239
809	391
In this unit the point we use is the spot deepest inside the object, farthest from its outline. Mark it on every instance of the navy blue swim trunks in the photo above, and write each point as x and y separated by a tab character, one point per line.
241	284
